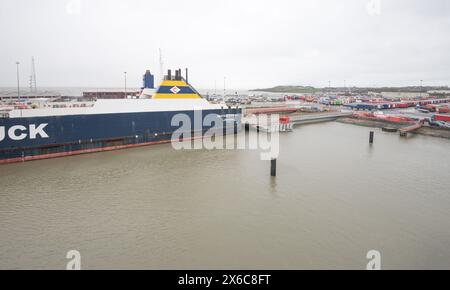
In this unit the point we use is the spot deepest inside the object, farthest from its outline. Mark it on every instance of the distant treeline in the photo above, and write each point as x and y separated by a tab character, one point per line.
361	90
290	89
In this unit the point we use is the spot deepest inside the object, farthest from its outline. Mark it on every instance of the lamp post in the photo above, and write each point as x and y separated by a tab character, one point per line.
224	86
421	87
18	82
125	79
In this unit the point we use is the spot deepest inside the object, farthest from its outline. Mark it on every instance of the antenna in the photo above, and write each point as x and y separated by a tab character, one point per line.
33	76
30	82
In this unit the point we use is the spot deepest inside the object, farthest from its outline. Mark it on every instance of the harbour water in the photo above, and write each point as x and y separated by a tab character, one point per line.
334	199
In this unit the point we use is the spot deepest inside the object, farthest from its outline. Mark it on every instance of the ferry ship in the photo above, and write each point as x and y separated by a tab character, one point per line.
109	124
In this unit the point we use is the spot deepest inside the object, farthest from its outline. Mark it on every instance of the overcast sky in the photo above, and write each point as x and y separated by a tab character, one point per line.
253	43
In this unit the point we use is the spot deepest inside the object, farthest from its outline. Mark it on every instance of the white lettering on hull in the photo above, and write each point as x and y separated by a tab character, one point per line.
12	133
38	131
19	132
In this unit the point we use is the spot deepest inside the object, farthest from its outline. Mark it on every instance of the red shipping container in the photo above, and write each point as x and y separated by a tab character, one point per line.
445	118
285	119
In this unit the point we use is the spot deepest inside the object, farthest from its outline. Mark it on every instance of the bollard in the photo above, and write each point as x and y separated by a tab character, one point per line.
224	129
273	167
247	127
371	137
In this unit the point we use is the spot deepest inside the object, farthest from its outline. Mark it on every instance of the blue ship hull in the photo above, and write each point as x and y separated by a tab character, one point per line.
78	134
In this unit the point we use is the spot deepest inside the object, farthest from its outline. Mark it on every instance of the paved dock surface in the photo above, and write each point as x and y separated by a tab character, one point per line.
320	117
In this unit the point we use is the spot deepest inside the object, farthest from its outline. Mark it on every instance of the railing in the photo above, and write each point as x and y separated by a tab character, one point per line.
4	115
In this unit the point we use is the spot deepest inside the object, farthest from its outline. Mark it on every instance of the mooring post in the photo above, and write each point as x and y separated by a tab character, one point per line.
273	167
371	137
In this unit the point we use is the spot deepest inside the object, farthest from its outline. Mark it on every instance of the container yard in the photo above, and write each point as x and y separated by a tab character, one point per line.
420	115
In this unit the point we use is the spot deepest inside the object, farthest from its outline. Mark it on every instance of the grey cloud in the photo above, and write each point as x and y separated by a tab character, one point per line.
253	43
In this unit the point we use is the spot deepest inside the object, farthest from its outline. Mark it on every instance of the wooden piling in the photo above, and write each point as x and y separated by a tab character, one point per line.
273	167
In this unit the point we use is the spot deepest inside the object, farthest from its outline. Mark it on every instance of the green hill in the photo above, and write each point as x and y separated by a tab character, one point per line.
289	89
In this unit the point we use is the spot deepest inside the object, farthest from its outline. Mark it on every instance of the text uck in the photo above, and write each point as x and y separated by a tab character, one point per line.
19	132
